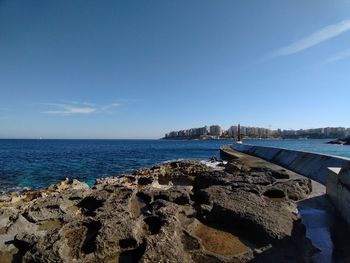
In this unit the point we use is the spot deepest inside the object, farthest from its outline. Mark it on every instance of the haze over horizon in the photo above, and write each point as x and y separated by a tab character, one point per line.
121	69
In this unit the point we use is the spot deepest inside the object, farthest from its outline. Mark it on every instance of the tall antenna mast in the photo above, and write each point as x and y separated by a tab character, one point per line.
239	138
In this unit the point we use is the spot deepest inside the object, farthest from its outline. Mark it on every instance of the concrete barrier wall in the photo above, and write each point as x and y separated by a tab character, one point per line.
311	165
331	171
338	190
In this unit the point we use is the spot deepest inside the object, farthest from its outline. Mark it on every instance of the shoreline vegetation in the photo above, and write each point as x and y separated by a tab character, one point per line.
178	212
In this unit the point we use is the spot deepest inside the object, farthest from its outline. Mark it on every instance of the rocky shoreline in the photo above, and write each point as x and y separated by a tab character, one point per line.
182	211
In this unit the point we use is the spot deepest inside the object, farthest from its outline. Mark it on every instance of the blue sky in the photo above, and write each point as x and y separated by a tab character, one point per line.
138	69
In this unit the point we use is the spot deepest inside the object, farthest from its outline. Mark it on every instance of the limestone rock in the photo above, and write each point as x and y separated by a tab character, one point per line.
182	211
296	190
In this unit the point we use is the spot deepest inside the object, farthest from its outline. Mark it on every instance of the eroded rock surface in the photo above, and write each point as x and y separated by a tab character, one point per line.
182	211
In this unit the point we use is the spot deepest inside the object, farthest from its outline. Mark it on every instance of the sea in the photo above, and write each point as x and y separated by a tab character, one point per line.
35	164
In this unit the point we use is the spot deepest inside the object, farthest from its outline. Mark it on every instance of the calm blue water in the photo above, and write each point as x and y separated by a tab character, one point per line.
38	163
311	145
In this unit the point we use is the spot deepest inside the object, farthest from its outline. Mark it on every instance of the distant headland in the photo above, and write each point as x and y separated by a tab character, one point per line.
216	132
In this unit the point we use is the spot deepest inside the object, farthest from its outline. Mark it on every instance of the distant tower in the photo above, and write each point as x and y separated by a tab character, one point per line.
239	137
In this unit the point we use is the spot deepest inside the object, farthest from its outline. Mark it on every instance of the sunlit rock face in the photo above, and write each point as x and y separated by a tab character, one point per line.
183	211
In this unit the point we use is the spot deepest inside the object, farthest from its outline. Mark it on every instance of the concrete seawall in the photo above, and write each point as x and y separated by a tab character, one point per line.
331	171
311	165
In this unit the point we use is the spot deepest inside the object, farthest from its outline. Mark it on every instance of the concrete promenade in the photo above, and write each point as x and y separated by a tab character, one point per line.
311	165
331	171
327	231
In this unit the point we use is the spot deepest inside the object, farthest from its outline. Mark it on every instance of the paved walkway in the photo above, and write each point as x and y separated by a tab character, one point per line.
317	214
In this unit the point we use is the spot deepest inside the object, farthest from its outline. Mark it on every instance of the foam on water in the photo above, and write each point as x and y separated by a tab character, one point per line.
214	164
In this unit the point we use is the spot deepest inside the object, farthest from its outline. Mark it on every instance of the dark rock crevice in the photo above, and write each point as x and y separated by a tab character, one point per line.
154	224
274	193
89	245
128	242
133	255
90	204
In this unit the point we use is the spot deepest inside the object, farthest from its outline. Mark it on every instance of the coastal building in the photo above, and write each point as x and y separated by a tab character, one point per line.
215	130
189	133
347	132
232	131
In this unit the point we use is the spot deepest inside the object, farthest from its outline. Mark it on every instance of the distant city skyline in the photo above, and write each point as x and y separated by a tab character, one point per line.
216	132
123	69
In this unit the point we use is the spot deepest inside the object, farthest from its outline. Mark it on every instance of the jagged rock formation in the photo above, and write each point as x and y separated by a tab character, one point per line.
181	211
343	141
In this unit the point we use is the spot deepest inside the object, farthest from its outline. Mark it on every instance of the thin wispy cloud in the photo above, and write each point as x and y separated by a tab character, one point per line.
68	109
78	108
312	40
107	108
85	103
340	56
